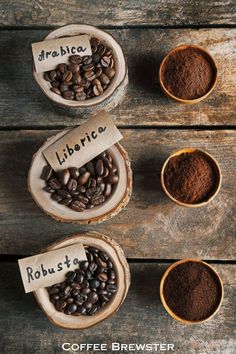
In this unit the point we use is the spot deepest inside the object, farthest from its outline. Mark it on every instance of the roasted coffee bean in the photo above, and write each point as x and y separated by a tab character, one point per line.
98	200
84	178
74	172
68	95
75	59
54	183
105	61
53	290
110	72
99	167
76	205
113	179
85	291
93	310
64	176
102	277
48	189
97	90
63	193
103	256
111	288
107	191
81	189
67	76
72	308
72	184
65	201
84	265
46	173
112	275
87	305
60	305
74	68
90	168
94	283
81	310
92	266
70	276
55	90
100	262
93	192
104	79
79	278
80	96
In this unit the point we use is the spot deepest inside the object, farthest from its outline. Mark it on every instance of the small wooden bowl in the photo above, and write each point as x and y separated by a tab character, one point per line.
217	172
114	92
167	308
111	207
117	256
210	59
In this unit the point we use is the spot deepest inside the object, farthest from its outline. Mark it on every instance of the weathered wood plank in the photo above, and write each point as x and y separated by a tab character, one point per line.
22	103
151	226
106	12
142	319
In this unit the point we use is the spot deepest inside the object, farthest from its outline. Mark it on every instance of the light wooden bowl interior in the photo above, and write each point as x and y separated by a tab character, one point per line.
119	62
217	172
167	308
121	268
210	59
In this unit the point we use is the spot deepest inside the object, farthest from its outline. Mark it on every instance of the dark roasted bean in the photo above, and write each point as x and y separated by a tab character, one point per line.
68	95
94	283
55	90
75	59
60	305
93	310
92	266
112	179
90	168
87	305
46	172
72	184
98	200
84	178
74	172
54	183
76	205
64	176
99	167
102	277
64	194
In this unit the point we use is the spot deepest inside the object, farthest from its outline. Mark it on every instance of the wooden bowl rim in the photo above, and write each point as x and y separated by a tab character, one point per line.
167	308
213	64
87	103
217	171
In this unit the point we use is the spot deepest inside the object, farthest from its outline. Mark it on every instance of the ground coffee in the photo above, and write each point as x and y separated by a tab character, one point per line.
190	177
187	73
192	291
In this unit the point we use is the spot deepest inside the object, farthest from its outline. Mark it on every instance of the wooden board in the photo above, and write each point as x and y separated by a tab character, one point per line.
22	103
116	13
142	319
151	226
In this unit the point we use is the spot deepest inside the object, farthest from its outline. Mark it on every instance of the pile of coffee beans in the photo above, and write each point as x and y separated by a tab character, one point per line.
84	77
87	289
85	187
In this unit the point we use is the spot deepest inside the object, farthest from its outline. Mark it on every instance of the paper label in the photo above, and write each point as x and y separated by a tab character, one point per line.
49	53
49	268
81	144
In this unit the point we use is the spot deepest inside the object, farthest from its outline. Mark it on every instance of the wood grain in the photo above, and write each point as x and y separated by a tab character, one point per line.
141	319
151	226
23	104
116	13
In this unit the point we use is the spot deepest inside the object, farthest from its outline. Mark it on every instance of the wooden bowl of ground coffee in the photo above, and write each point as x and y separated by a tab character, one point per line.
188	74
191	177
191	291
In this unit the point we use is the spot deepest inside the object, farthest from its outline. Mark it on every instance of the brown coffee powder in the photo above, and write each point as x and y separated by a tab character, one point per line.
192	291
190	177
187	73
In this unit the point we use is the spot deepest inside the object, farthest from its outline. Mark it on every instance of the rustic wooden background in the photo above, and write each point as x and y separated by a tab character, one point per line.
152	230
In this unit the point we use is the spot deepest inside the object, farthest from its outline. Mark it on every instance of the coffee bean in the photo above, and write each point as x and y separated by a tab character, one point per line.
75	59
108	190
92	310
111	288
46	173
99	167
72	308
113	179
93	192
64	176
81	310
68	95
65	201
102	277
90	168
97	90
105	61
98	200
84	265
84	178
94	283
60	305
110	72
82	199
92	266
48	189
74	68
54	183
55	90
79	278
63	193
72	184
104	79
80	96
74	172
87	305
76	205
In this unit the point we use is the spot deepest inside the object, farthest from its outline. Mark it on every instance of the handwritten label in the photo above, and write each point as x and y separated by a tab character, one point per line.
49	53
49	268
83	143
